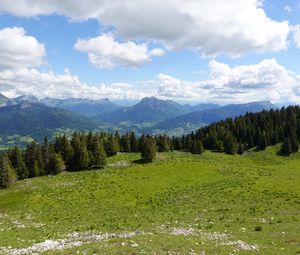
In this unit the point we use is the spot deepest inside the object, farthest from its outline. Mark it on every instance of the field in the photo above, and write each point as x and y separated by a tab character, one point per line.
181	204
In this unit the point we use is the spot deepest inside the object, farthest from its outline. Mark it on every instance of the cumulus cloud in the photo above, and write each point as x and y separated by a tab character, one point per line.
105	52
266	80
17	49
209	27
30	81
296	30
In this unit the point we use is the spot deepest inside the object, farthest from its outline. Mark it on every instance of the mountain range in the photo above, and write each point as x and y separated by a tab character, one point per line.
27	115
200	118
36	119
149	109
85	107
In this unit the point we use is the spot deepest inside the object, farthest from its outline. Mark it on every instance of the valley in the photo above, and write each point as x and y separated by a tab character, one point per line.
27	117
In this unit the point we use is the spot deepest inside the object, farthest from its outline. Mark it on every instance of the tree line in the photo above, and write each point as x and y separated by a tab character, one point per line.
89	151
81	152
258	130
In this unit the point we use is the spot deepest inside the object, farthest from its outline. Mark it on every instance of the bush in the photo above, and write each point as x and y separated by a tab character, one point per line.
258	228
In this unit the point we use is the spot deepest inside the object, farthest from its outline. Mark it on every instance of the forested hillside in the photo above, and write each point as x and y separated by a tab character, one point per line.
88	151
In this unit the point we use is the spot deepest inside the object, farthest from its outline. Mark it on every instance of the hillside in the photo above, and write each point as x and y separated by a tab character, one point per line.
212	115
208	204
148	109
36	119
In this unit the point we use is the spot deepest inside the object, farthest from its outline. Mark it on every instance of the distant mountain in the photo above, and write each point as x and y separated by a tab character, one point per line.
201	118
3	100
82	106
203	107
36	119
26	98
126	102
149	109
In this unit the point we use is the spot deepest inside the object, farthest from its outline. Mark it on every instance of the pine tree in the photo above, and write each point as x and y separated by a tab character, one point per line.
56	164
286	147
294	140
148	152
80	159
65	150
17	160
30	157
40	162
241	149
230	145
163	144
262	142
197	147
8	176
99	155
125	143
177	145
219	147
45	152
133	143
111	148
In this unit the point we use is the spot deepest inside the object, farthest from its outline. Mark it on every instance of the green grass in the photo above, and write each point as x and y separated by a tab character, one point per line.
215	199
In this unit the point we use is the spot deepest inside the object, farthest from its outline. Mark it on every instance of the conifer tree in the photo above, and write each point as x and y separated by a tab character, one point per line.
148	152
286	147
241	149
133	143
294	140
17	160
111	147
65	150
230	145
125	143
262	142
56	163
197	147
219	147
177	145
99	155
8	176
30	157
80	159
45	152
163	144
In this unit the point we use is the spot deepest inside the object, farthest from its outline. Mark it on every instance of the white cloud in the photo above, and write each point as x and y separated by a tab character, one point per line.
157	52
296	30
266	80
30	81
171	87
288	9
209	27
19	50
105	52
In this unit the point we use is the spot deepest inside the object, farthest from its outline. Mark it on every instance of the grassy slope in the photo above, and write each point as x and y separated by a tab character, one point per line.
208	193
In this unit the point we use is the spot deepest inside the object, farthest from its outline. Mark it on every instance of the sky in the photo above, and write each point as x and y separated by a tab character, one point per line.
217	51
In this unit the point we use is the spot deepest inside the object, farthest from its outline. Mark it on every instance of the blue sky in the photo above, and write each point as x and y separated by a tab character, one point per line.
241	61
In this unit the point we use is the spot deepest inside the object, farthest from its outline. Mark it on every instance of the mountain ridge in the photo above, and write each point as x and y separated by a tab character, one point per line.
34	119
212	115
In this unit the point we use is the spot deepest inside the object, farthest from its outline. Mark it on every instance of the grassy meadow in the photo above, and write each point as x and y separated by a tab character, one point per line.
180	204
